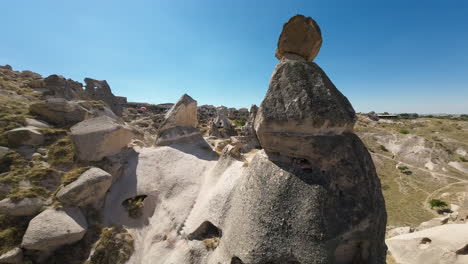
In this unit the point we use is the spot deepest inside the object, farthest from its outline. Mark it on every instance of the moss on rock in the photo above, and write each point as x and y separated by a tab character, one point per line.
115	246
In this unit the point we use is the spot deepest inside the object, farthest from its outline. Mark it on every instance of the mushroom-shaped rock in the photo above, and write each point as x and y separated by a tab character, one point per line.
301	101
183	113
440	244
23	207
90	186
13	256
99	137
54	228
302	36
24	136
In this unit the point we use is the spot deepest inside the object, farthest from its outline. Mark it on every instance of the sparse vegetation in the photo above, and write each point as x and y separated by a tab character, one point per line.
405	170
62	153
211	243
437	203
134	205
404	131
383	148
12	229
115	246
238	123
72	175
463	159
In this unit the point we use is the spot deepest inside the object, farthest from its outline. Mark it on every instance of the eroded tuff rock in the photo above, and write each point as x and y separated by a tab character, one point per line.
302	36
23	207
224	128
99	137
248	137
301	101
54	228
91	186
179	124
312	195
57	86
100	90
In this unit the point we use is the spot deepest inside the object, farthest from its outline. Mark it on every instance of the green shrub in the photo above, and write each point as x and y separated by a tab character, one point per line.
62	153
239	123
134	205
463	159
437	203
115	246
404	131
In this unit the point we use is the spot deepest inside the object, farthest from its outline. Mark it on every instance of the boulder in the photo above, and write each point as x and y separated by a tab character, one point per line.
99	137
52	229
60	111
13	256
221	120
179	125
91	186
24	136
301	101
3	152
36	123
440	244
23	207
302	36
30	74
248	137
183	113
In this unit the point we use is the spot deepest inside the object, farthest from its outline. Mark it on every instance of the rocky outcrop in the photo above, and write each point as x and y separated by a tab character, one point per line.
248	137
301	36
179	124
65	113
23	207
99	137
224	126
54	228
91	186
100	90
440	244
312	195
238	114
58	87
24	136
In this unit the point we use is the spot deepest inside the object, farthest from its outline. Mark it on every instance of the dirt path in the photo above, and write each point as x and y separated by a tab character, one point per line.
430	195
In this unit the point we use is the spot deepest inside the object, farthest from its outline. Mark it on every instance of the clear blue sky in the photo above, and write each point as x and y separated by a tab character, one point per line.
395	56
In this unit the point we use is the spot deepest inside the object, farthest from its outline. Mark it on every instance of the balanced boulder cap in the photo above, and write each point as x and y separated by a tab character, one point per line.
301	36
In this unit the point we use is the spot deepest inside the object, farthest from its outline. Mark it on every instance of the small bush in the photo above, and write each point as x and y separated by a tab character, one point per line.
238	123
211	243
134	205
437	203
404	131
463	159
115	246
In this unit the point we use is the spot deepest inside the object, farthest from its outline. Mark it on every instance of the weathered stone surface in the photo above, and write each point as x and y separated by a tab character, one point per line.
440	244
302	36
99	137
3	152
301	101
399	231
36	123
24	136
91	186
13	256
100	90
60	111
224	126
181	135
183	113
248	137
54	228
433	222
59	87
23	207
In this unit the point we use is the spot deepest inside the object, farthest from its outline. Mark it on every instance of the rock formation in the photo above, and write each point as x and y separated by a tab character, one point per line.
224	126
58	87
99	137
100	90
179	125
23	207
301	36
312	195
248	137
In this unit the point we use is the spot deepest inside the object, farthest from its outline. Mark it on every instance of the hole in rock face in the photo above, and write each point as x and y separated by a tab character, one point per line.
204	231
134	205
425	242
463	250
236	260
